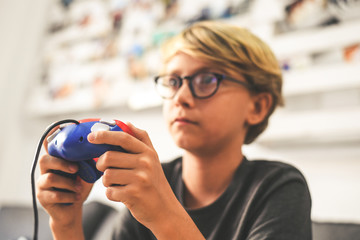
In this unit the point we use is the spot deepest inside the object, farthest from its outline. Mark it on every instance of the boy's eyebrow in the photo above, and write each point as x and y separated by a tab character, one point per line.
201	69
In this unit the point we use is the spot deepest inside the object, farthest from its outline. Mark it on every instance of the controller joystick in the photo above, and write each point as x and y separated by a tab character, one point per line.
70	142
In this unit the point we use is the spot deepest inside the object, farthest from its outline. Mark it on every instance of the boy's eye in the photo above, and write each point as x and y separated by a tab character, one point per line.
205	79
172	82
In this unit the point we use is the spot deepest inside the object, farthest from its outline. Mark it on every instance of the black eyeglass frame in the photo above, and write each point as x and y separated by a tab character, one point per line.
219	78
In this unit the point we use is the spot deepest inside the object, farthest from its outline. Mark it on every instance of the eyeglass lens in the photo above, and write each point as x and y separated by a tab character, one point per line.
204	84
201	84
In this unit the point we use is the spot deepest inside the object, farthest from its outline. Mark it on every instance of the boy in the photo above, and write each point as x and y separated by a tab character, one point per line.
220	85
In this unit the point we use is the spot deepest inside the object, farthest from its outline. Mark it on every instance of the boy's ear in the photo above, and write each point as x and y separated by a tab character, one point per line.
261	104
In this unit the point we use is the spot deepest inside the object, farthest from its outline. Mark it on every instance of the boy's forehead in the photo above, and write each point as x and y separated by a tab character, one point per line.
184	61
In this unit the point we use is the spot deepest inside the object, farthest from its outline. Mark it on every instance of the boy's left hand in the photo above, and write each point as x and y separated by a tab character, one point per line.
135	177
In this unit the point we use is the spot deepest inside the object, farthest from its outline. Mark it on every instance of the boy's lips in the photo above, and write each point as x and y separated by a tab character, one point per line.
184	120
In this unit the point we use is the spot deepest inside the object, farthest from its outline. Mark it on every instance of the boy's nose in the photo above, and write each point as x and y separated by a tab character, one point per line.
184	95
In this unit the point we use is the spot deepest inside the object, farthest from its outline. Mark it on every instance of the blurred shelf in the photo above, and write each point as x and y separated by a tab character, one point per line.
304	42
133	96
313	127
41	104
139	96
322	79
144	97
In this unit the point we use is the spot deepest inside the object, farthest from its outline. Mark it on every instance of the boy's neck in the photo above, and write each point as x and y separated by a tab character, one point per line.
207	178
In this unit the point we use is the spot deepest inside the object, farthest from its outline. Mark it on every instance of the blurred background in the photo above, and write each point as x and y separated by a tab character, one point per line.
96	58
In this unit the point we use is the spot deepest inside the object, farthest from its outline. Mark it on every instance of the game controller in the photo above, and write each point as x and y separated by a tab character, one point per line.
70	142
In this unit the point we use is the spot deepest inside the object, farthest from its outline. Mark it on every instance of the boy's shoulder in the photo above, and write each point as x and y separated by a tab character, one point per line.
265	170
267	165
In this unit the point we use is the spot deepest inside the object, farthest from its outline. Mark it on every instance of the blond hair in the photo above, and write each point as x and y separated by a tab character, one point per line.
232	49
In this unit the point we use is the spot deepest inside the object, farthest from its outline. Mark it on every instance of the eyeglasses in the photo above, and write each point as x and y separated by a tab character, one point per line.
202	84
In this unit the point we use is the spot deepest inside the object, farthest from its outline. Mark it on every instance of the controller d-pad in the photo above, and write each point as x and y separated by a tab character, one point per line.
100	127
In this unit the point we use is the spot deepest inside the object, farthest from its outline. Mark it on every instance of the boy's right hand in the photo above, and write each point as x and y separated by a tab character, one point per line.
62	197
55	191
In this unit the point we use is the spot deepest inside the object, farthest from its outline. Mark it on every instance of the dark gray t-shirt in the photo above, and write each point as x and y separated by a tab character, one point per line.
265	200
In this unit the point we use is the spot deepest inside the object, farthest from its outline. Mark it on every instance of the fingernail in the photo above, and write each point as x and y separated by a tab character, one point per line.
91	137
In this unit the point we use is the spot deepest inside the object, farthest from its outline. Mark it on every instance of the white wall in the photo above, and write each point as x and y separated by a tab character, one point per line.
20	26
332	171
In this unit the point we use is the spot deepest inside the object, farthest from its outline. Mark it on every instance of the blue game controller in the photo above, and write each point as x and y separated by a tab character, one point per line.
70	143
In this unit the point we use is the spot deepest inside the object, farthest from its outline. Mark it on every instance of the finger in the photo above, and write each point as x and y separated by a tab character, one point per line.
122	139
48	163
128	194
113	159
117	177
116	193
54	197
52	181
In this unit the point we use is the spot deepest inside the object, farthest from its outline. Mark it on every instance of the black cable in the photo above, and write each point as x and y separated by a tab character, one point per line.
33	191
